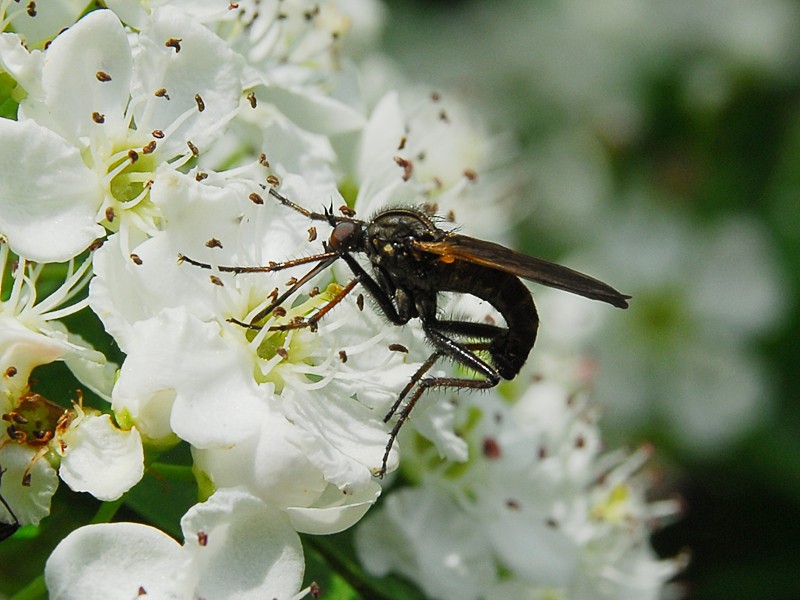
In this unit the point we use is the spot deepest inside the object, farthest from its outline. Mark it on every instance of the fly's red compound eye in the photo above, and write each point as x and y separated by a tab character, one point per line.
342	235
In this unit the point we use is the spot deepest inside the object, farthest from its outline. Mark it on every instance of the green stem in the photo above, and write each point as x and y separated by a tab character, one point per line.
106	512
35	590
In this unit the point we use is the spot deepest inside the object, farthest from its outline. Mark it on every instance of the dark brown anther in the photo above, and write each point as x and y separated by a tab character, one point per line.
150	147
491	449
256	198
233	6
193	148
110	216
202	538
136	259
162	93
262	160
201	106
360	301
347	211
436	96
213	243
158	134
406	165
273	295
580	442
402	143
273	180
542	452
11	371
513	504
26	480
95	245
200	176
312	234
141	591
102	76
31	8
451	216
315	590
343	356
133	156
291	281
98	118
174	43
282	352
279	312
251	98
216	280
443	116
398	348
471	174
313	292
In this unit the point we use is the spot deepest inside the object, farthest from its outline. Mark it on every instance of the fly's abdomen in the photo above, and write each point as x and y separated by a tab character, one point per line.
509	296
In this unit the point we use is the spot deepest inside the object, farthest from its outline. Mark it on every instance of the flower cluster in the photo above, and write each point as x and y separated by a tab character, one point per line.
137	171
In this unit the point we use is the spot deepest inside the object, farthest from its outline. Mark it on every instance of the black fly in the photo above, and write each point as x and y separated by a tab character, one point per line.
411	262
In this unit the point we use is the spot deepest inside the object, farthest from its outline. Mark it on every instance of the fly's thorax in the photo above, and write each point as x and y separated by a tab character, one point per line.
390	238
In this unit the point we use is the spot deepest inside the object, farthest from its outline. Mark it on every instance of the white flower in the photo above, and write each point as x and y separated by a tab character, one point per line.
430	150
96	456
89	141
537	511
322	392
235	546
39	22
682	355
31	502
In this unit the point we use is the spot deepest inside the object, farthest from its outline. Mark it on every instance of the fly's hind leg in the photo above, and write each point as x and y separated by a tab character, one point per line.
463	353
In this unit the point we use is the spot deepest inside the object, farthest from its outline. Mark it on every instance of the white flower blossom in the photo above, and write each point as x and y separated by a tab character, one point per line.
235	546
31	335
537	511
40	22
89	142
682	358
319	391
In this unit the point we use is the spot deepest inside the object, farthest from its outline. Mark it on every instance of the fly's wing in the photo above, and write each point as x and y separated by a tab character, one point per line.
461	247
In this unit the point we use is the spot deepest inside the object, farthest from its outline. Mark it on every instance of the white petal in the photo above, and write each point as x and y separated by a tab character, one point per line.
205	66
24	349
30	503
249	549
116	561
422	534
91	367
317	113
50	18
335	511
176	356
69	78
25	67
269	464
101	459
379	143
343	437
48	197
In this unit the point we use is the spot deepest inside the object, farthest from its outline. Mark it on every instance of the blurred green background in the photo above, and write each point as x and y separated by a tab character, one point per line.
661	141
